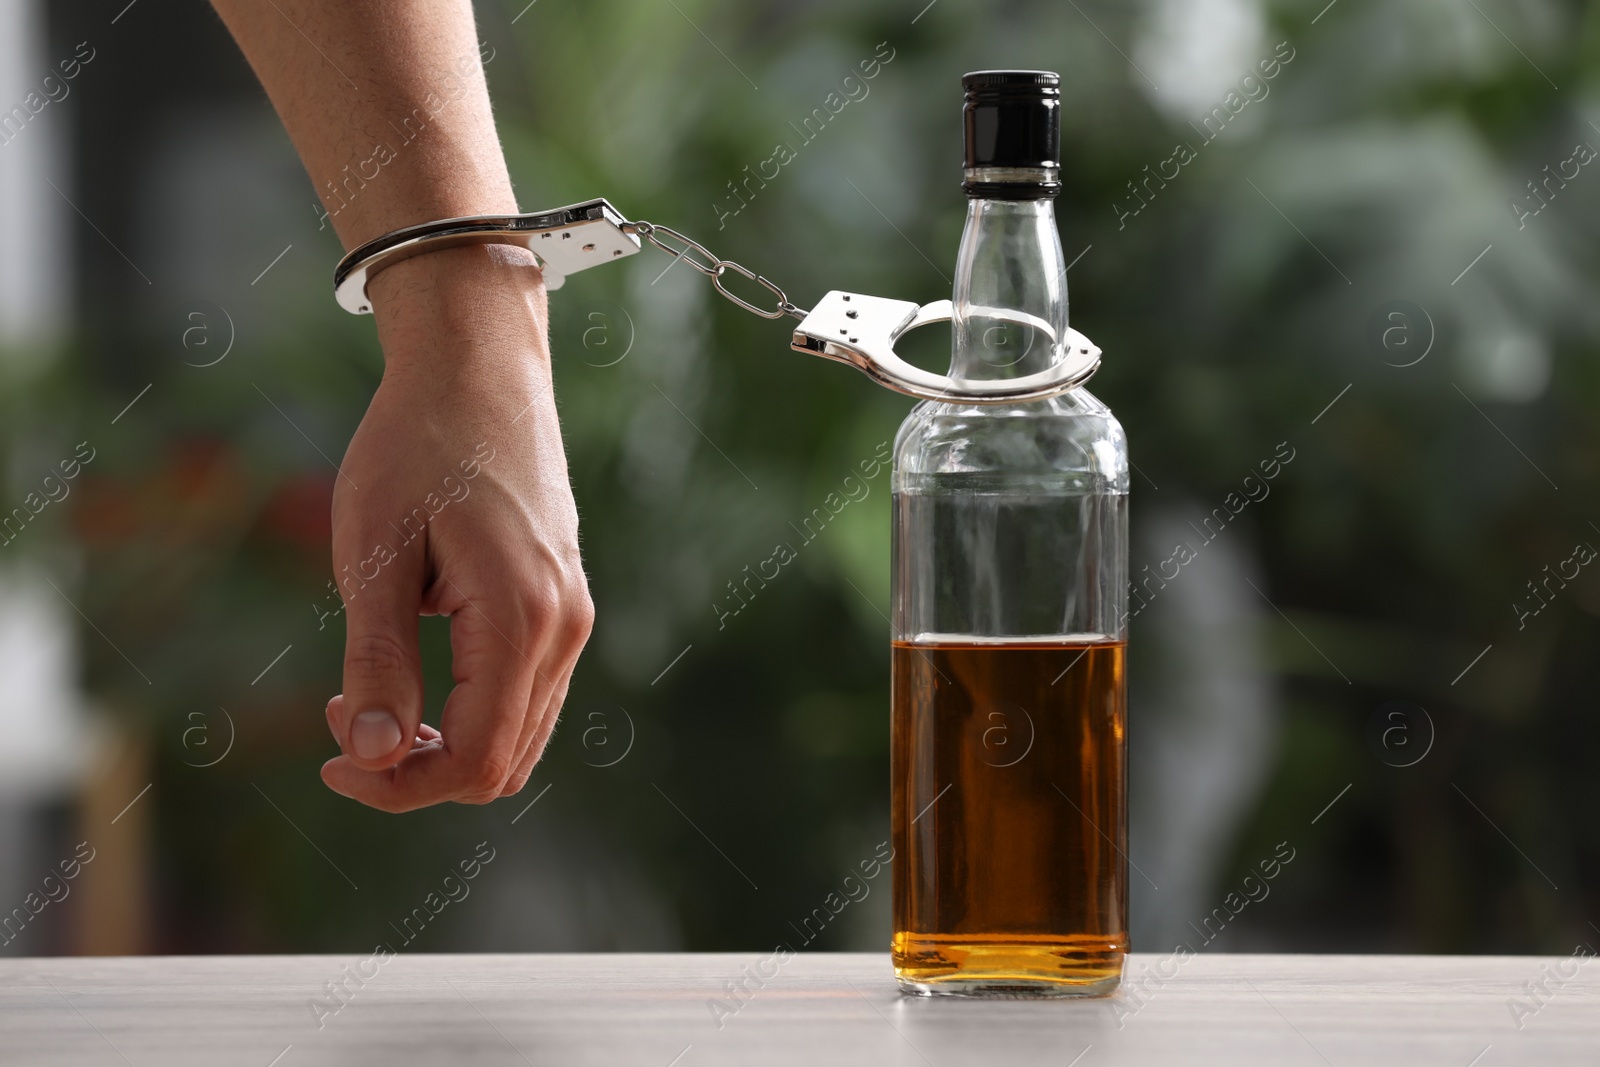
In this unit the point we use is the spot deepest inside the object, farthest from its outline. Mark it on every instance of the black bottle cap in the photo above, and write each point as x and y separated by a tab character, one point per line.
1012	121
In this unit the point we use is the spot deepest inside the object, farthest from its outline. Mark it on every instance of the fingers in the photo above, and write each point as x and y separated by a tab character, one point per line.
335	712
469	769
549	693
381	709
544	713
542	717
496	646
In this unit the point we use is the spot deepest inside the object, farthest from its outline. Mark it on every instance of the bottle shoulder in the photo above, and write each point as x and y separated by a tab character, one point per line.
1074	434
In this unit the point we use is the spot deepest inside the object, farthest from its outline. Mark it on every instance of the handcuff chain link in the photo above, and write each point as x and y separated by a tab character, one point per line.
714	268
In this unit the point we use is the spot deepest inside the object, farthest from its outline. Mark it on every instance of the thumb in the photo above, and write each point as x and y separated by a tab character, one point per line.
382	706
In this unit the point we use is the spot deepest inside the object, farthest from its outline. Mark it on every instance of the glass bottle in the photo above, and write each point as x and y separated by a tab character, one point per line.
1009	633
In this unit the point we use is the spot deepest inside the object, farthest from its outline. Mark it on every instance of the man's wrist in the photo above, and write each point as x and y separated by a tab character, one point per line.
469	293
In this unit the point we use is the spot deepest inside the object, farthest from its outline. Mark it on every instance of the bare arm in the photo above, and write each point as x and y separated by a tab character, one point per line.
453	496
349	77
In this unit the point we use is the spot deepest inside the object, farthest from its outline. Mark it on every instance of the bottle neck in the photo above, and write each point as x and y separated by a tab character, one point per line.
1010	260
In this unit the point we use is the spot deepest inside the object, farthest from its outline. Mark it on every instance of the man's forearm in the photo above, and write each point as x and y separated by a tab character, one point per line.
385	102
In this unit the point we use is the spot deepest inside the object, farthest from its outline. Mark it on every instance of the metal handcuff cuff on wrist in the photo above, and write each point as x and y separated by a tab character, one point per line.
847	327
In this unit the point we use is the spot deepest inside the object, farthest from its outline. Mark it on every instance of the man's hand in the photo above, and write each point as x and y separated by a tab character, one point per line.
453	499
388	107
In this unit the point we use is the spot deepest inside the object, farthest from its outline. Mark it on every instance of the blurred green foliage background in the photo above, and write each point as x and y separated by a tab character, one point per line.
1246	294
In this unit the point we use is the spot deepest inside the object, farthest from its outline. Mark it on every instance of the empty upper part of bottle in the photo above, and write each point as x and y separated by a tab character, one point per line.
1010	312
1009	305
1010	295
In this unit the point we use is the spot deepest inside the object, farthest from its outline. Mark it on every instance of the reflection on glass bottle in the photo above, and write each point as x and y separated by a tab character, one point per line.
1010	586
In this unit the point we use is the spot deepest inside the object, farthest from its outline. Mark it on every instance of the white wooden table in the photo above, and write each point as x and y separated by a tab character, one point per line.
819	1009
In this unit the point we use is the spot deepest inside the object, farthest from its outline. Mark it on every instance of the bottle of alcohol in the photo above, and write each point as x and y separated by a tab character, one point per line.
1010	592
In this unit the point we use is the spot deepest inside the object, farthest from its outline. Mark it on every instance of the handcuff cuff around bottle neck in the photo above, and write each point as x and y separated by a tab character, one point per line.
847	327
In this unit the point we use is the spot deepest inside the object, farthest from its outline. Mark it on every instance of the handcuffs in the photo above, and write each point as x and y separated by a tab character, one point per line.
847	327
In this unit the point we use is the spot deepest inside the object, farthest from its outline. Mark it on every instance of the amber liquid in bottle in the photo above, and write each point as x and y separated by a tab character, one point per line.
1008	802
